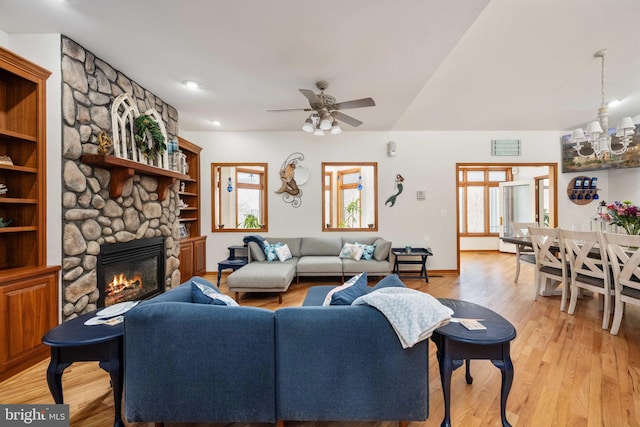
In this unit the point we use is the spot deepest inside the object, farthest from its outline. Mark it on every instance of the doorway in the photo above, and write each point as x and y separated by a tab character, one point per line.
541	196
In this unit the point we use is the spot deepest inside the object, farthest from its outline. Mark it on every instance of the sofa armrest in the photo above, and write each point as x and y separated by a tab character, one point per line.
346	363
188	362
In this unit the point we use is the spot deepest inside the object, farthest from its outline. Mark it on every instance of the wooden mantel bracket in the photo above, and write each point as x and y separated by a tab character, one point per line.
122	170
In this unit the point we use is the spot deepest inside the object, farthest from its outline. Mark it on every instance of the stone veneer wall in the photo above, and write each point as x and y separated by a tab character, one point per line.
90	216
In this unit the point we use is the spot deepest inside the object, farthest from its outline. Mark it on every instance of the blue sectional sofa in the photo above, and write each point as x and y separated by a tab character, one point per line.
187	362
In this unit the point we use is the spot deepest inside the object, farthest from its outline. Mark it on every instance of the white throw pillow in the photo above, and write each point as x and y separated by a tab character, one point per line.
349	250
283	252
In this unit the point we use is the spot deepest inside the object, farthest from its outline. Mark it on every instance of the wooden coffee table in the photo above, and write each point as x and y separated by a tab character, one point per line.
73	341
457	344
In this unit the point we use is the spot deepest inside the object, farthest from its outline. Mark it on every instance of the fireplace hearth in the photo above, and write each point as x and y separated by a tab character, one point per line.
129	271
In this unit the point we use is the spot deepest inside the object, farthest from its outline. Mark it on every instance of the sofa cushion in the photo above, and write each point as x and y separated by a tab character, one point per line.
348	292
283	253
320	246
320	265
351	251
262	276
257	253
378	268
292	242
202	294
383	247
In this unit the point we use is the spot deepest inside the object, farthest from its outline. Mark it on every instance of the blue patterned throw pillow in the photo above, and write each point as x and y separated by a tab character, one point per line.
270	250
368	251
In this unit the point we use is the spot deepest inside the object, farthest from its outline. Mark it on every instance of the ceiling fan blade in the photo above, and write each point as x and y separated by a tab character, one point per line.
347	119
356	103
311	96
289	109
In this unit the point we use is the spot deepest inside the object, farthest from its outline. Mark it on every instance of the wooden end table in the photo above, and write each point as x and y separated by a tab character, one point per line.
457	344
73	341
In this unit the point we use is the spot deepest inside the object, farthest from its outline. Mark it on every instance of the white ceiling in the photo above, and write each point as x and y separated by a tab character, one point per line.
428	64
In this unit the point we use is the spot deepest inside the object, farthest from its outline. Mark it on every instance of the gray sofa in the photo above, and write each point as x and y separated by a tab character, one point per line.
187	362
311	256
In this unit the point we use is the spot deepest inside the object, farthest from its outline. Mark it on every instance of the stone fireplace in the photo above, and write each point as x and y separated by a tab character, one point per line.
92	218
130	271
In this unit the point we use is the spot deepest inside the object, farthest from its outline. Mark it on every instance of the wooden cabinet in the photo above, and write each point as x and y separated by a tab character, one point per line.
193	245
28	289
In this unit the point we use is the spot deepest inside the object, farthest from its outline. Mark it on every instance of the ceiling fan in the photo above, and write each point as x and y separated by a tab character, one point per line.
326	111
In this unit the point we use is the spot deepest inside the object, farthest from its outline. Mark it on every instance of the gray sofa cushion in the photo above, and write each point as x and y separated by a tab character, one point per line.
292	242
324	246
258	276
320	264
373	267
256	252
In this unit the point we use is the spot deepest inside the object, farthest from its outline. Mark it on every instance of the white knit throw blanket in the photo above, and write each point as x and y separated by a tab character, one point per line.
414	315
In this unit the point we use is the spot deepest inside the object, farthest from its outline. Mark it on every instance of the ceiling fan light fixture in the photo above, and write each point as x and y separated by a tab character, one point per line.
319	132
335	128
308	125
325	123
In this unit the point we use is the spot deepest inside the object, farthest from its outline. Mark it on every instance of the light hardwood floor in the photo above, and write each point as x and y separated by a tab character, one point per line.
568	371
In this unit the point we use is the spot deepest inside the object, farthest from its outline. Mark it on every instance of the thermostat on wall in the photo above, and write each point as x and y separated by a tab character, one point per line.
421	195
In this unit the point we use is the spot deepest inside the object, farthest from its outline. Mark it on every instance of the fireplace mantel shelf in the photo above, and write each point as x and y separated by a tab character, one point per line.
122	169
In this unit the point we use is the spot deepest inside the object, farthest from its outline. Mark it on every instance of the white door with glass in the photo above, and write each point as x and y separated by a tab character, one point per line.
517	203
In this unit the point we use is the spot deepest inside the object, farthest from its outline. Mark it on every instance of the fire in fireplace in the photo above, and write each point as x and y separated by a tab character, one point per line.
131	271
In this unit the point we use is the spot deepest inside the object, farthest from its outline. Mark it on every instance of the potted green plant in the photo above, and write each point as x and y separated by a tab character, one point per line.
250	221
352	215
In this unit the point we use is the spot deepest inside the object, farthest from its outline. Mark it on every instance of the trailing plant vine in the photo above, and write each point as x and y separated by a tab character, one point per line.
145	123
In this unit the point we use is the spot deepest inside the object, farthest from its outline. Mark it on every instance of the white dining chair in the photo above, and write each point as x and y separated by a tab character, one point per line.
624	257
524	254
550	261
589	268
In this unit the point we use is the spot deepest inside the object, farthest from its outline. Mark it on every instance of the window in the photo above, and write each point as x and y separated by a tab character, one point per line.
349	197
239	199
478	199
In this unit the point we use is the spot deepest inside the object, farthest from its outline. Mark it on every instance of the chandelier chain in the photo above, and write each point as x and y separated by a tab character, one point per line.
602	103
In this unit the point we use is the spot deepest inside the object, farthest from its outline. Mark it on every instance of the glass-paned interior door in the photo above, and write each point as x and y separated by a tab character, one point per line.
517	203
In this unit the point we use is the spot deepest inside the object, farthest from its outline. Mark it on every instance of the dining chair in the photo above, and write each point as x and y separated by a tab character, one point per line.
524	254
550	261
624	258
589	268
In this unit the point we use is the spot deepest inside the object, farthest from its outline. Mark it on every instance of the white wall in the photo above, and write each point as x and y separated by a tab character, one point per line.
44	50
425	159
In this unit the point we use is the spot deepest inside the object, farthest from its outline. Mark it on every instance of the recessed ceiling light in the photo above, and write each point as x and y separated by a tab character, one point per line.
191	84
216	123
614	102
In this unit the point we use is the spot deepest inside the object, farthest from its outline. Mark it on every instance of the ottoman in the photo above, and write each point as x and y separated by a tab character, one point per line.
262	277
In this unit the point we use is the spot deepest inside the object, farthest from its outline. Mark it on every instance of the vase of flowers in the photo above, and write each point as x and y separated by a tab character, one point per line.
624	214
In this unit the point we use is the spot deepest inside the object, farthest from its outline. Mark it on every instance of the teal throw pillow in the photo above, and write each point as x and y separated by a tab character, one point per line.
270	251
367	251
348	292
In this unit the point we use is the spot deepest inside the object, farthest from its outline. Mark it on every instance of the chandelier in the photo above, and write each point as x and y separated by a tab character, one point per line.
596	136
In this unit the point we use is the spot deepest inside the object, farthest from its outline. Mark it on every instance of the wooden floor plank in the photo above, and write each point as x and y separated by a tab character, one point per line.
568	371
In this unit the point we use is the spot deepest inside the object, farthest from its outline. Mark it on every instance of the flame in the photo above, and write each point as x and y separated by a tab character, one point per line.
122	287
